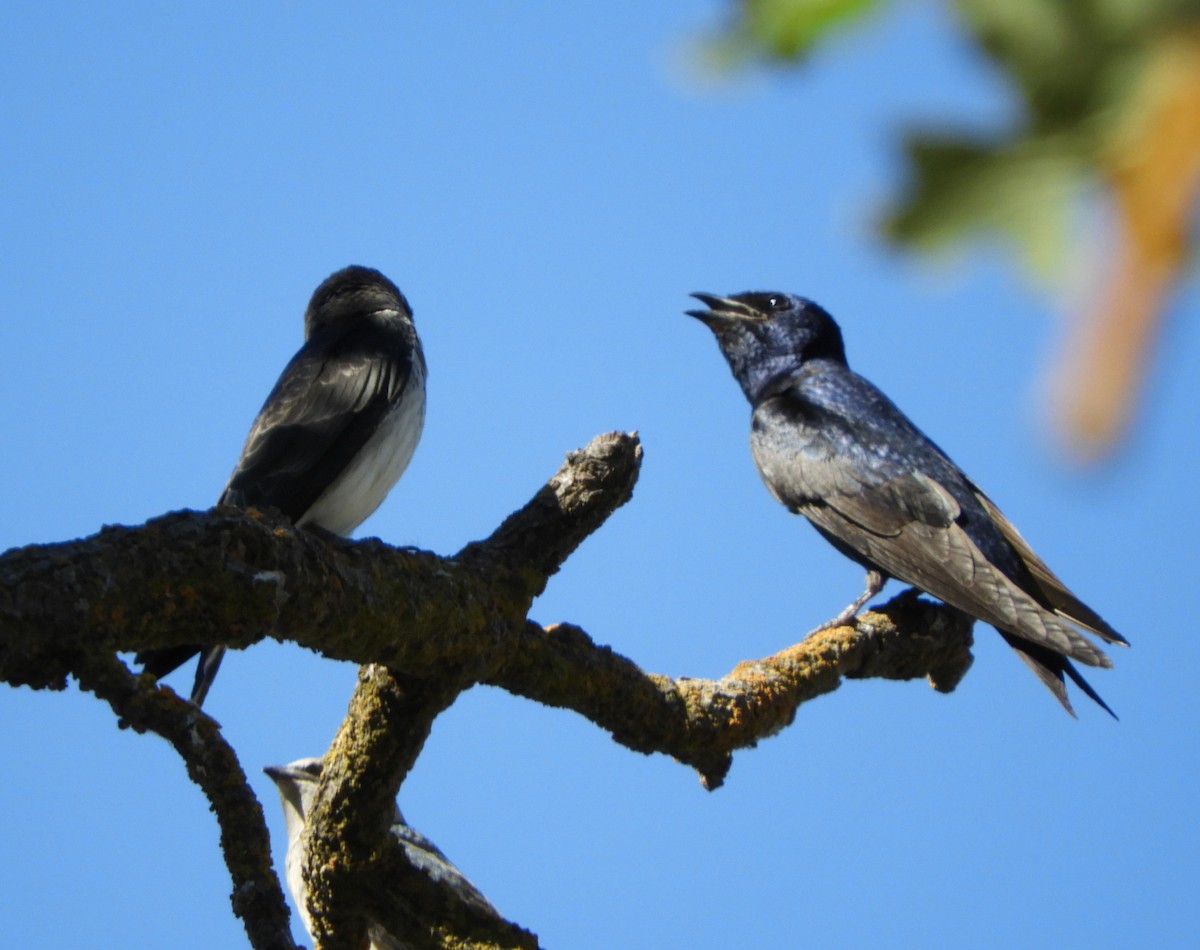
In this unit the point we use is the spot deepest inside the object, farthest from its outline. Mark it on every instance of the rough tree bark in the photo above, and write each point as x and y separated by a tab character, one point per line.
425	628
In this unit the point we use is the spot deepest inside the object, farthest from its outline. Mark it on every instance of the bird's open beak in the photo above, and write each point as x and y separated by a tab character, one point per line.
276	772
722	310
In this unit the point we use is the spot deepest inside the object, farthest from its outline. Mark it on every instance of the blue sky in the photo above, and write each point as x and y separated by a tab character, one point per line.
547	182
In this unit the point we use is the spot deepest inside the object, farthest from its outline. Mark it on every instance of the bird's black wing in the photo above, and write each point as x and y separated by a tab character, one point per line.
864	475
327	403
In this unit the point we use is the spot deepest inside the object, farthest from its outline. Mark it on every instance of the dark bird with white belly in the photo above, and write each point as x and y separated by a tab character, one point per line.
338	429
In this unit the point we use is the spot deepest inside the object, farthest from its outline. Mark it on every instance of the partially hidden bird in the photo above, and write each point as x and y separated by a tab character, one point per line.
831	446
297	783
336	432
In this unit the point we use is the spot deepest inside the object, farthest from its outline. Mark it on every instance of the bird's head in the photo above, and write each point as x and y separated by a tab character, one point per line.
764	334
297	783
352	292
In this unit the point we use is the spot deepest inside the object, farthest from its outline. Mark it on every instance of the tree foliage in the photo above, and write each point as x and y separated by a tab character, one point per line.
1108	114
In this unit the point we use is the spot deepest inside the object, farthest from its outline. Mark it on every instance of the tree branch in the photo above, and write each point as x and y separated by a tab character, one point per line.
438	625
234	577
390	714
357	874
701	722
211	763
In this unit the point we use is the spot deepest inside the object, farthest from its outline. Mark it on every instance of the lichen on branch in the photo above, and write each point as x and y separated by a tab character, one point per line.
425	628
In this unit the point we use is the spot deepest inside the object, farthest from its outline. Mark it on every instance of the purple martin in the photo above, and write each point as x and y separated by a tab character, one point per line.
338	429
830	446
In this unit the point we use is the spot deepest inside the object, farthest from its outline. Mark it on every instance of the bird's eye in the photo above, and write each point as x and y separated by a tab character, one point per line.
777	302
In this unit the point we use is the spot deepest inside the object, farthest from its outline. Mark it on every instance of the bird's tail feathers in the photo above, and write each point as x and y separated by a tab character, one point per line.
206	672
160	662
1078	680
1050	668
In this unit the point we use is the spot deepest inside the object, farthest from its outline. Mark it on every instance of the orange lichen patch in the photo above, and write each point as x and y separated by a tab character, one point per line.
749	671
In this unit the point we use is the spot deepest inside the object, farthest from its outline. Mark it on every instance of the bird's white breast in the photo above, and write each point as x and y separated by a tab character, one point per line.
361	488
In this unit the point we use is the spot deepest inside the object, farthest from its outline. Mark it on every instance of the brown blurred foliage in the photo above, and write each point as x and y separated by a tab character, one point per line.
1110	112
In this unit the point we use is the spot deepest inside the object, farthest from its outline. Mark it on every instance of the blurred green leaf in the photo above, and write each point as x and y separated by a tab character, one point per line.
961	186
1069	59
1076	65
1073	63
783	29
1108	97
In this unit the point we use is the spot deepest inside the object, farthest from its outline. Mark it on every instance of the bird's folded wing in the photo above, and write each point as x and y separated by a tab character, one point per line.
1053	590
923	549
833	466
319	415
